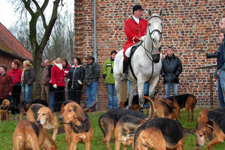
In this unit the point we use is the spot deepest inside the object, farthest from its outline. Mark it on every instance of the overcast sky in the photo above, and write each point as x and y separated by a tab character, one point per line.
7	16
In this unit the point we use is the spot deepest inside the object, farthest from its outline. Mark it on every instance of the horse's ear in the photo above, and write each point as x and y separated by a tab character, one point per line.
149	12
160	13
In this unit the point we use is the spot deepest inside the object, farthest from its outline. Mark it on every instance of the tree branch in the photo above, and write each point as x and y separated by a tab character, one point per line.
50	25
27	6
41	11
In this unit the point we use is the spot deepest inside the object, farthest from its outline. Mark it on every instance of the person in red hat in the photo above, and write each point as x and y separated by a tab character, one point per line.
135	29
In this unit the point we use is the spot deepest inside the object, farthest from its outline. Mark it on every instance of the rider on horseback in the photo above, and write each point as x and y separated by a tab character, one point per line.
135	29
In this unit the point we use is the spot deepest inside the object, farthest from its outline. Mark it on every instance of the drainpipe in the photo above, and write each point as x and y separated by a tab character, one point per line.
95	45
95	35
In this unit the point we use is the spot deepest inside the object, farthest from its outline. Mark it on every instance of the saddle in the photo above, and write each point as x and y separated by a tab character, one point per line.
134	47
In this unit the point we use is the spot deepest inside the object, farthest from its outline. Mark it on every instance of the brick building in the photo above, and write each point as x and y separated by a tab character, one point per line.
11	48
191	27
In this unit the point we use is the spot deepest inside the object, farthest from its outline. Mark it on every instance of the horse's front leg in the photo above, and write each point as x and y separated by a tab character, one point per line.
118	89
131	94
153	83
140	85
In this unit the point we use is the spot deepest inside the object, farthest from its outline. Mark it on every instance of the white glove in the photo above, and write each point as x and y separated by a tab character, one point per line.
79	82
55	86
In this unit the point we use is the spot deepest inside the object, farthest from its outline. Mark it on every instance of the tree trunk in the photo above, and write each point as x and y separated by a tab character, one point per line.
37	59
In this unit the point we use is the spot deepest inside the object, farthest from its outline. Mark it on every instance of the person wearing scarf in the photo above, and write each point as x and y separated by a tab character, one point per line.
57	78
27	80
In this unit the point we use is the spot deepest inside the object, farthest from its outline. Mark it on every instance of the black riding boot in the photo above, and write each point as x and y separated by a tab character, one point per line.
125	68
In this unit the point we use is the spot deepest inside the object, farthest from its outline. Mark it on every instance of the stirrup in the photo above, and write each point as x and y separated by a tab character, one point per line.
124	76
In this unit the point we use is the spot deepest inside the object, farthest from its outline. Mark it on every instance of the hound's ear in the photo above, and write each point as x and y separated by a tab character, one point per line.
50	114
79	112
160	13
149	12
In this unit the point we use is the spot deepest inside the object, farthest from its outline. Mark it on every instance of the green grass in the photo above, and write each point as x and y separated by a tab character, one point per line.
7	129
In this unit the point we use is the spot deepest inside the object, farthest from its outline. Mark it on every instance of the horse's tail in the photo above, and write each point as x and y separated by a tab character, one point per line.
152	109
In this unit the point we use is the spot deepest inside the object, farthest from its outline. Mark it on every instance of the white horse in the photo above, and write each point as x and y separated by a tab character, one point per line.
144	65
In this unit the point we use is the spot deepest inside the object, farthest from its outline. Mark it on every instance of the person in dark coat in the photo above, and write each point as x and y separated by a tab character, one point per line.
171	69
27	80
92	72
75	80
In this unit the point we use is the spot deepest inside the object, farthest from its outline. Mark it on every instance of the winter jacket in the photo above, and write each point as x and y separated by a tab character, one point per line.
92	72
57	75
74	75
66	70
133	29
6	85
16	75
45	77
107	71
171	69
28	76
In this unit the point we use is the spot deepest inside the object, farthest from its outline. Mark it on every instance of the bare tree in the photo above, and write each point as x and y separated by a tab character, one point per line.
61	41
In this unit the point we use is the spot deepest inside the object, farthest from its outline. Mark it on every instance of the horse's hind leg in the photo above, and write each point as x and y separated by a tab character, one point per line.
131	93
153	83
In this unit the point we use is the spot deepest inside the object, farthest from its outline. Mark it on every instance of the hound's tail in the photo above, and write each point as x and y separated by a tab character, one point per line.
20	141
100	123
151	109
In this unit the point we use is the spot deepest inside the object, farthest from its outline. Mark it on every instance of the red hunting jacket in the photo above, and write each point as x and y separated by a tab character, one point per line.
57	76
16	75
132	29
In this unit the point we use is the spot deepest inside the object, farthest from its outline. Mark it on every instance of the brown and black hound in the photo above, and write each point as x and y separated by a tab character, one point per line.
45	116
108	121
67	127
210	122
125	129
4	110
30	135
23	106
162	109
159	134
187	101
80	125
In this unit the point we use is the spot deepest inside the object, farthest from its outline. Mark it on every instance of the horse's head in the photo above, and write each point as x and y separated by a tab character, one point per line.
155	28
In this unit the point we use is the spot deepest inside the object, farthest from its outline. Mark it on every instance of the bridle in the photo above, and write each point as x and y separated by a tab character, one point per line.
155	30
150	34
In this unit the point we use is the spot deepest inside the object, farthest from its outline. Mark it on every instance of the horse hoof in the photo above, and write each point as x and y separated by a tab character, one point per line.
141	110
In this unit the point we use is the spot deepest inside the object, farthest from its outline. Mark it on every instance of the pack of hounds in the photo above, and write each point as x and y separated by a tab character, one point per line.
159	130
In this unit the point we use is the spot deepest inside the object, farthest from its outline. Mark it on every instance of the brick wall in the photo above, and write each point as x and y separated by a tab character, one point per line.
191	27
